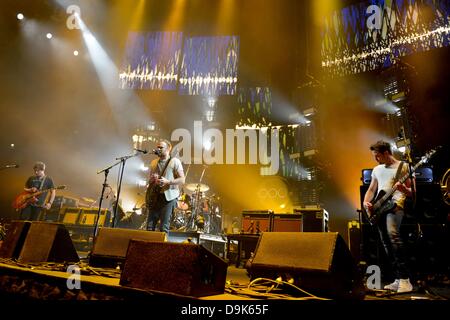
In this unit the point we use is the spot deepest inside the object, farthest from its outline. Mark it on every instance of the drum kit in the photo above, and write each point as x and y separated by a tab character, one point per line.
195	211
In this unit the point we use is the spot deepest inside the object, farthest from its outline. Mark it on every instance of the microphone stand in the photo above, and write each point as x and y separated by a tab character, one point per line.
106	171
122	161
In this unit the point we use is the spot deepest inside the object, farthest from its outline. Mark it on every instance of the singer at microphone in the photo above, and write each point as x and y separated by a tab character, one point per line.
142	151
166	175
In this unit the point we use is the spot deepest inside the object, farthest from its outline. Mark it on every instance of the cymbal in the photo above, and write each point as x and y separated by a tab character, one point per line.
196	187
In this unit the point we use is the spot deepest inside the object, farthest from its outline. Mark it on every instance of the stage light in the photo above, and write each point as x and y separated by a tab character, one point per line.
75	53
12	145
49	35
20	16
309	112
211	102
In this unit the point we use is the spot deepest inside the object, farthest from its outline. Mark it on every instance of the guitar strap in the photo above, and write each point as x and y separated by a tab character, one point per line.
165	167
399	170
42	183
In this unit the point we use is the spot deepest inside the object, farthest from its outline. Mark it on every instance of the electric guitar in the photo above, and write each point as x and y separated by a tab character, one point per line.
383	202
26	198
151	195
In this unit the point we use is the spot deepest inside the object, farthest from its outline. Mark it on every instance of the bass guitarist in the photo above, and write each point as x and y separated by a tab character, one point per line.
166	175
385	177
39	181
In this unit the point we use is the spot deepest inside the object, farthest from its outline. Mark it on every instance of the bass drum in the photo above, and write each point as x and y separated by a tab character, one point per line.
180	219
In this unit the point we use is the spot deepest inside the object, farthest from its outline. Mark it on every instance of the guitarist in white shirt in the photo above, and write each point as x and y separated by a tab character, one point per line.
39	181
166	175
383	178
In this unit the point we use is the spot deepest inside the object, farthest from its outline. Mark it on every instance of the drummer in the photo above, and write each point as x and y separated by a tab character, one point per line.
184	201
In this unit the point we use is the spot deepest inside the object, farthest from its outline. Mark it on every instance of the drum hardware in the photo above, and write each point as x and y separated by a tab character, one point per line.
445	187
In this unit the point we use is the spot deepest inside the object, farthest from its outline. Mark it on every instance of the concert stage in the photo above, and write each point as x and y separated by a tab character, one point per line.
152	269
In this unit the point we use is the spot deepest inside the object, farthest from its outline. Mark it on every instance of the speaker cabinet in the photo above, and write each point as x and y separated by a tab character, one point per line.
313	220
88	217
110	245
16	233
256	221
286	222
318	262
48	242
71	215
181	268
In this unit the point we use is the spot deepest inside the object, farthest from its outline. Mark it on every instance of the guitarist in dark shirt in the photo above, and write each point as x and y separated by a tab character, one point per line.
385	177
39	181
166	175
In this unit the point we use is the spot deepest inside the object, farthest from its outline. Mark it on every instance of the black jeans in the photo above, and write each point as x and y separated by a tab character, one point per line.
162	211
393	243
30	213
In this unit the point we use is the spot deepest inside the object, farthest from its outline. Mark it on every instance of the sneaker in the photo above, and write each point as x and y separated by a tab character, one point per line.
404	286
393	286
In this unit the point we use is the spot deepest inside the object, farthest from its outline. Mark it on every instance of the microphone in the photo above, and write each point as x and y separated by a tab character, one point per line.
156	151
12	166
140	150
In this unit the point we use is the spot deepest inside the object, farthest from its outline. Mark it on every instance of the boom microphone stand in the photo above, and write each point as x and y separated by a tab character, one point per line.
121	161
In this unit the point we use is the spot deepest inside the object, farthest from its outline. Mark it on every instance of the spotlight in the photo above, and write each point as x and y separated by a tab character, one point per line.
75	53
20	16
49	35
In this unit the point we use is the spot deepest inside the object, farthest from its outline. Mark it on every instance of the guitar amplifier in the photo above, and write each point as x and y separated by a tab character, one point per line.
71	215
313	220
256	221
286	222
423	175
88	217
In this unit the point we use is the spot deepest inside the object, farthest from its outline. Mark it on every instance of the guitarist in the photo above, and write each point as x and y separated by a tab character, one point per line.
384	177
166	175
39	181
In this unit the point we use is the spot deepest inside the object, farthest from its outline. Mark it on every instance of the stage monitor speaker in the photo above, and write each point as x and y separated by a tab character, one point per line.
16	233
110	245
286	222
318	262
182	268
256	221
48	242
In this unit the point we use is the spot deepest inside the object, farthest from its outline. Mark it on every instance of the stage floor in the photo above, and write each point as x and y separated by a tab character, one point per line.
99	283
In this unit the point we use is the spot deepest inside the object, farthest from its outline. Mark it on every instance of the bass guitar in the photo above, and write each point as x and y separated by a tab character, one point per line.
26	198
383	202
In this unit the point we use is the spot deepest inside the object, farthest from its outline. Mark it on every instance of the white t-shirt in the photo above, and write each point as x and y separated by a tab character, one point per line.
385	177
171	192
